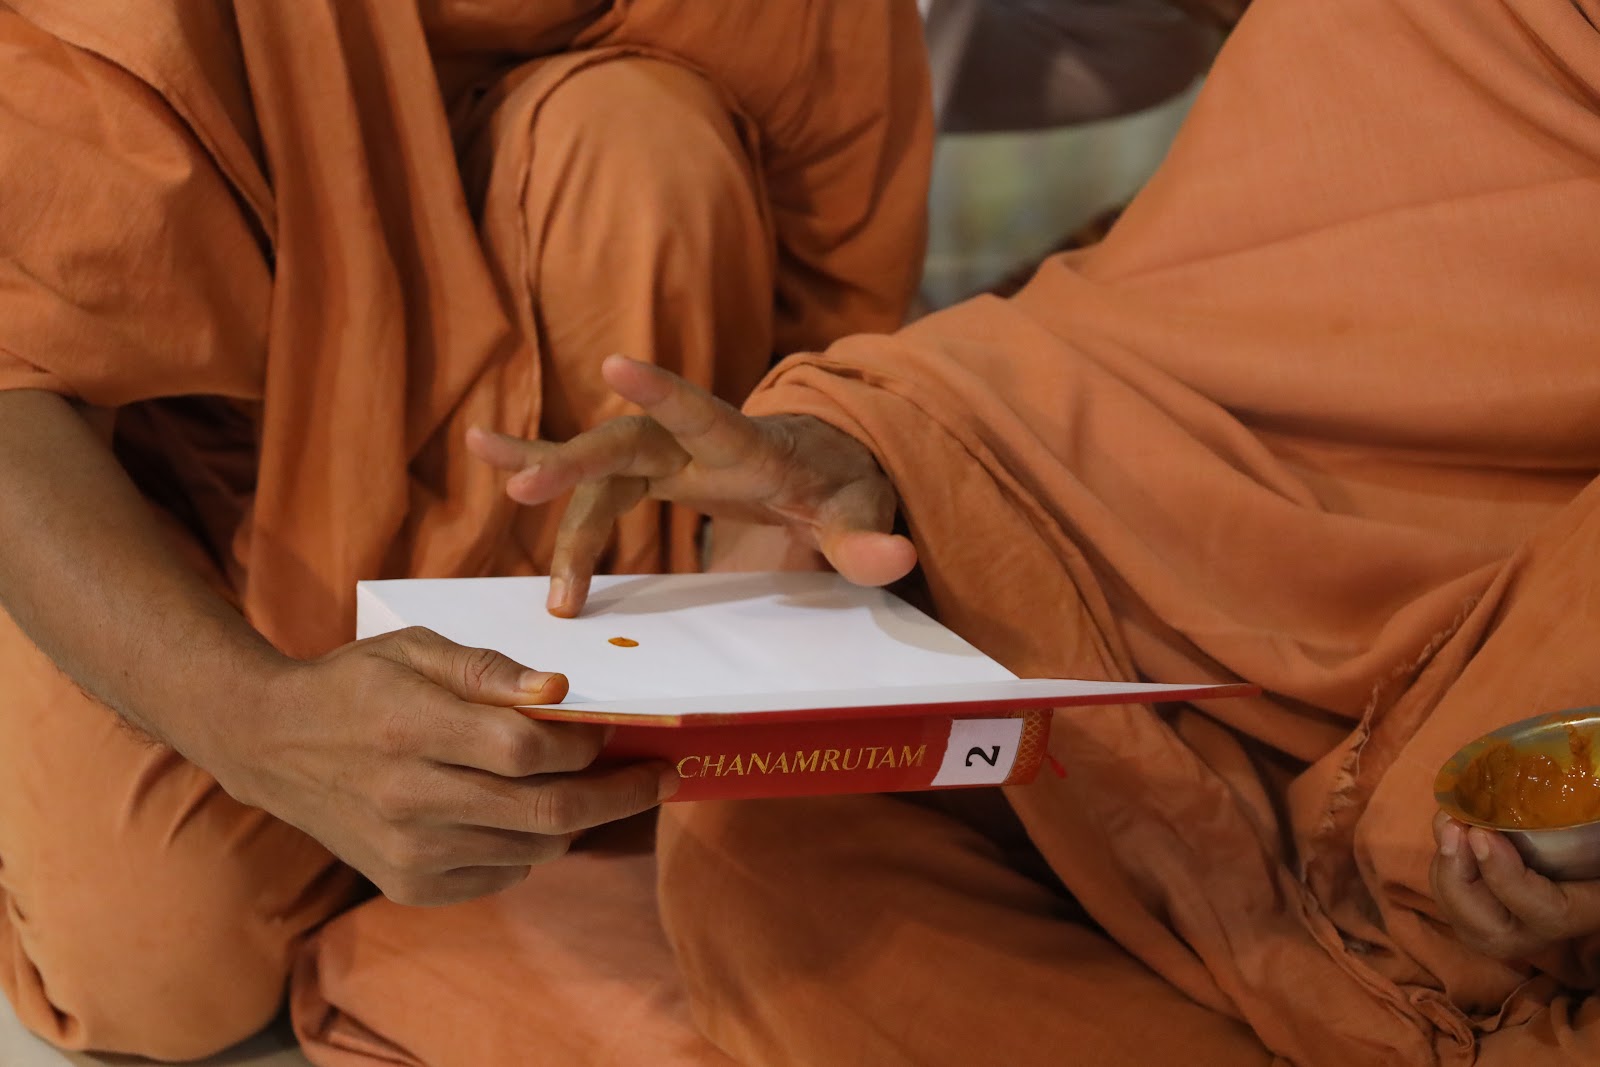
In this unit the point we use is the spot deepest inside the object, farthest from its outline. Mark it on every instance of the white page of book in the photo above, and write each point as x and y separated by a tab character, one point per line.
719	643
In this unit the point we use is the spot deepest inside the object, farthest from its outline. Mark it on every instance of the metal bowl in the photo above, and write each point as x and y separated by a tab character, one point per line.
1563	852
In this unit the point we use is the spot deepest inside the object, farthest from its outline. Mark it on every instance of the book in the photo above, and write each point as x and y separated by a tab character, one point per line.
754	685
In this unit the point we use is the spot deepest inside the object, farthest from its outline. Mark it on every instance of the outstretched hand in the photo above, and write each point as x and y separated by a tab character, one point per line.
691	448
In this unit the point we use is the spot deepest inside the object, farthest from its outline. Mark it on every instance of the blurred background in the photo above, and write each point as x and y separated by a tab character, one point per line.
1050	113
1000	201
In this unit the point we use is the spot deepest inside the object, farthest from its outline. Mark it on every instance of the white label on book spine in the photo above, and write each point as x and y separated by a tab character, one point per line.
980	752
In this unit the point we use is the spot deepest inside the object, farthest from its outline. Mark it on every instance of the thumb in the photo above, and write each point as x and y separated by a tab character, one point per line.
853	532
477	675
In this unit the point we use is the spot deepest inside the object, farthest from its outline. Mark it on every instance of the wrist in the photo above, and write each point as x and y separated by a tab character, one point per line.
216	720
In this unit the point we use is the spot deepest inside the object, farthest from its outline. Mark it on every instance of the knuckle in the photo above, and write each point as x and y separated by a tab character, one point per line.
401	890
542	849
395	734
410	855
1550	922
396	803
646	788
409	646
577	804
654	448
586	510
1496	944
414	892
639	795
589	742
557	809
527	752
506	878
570	549
471	883
783	437
1506	947
415	638
556	846
1441	819
630	428
476	665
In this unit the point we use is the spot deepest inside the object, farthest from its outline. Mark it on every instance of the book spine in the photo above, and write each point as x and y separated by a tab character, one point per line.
851	756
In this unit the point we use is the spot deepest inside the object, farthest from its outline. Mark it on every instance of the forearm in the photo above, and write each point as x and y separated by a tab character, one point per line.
90	576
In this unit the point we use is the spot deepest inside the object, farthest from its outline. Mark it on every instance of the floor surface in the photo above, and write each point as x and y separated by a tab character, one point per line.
18	1048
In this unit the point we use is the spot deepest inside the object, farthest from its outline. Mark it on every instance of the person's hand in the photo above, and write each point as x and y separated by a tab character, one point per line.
403	754
689	447
1496	903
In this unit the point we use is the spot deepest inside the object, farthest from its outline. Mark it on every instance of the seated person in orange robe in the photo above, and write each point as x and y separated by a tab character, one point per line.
1320	414
261	265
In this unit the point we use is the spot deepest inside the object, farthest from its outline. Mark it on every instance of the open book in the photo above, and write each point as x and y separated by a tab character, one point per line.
765	684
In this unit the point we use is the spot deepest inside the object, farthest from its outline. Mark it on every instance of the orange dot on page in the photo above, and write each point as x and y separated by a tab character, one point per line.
624	642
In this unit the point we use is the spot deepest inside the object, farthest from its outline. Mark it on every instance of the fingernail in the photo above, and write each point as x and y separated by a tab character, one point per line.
669	785
1479	840
560	590
1450	840
533	681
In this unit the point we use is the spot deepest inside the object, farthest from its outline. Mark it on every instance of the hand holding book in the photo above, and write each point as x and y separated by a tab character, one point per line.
403	755
689	447
778	684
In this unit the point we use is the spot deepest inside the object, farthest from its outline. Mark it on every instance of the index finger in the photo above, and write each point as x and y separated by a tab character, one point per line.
713	433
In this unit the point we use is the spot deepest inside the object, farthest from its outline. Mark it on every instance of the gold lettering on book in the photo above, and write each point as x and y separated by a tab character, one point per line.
816	761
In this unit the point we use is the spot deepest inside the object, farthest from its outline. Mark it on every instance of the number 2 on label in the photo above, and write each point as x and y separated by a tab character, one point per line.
979	752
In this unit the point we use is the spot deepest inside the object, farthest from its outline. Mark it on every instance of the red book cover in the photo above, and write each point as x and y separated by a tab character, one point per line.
758	685
874	755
